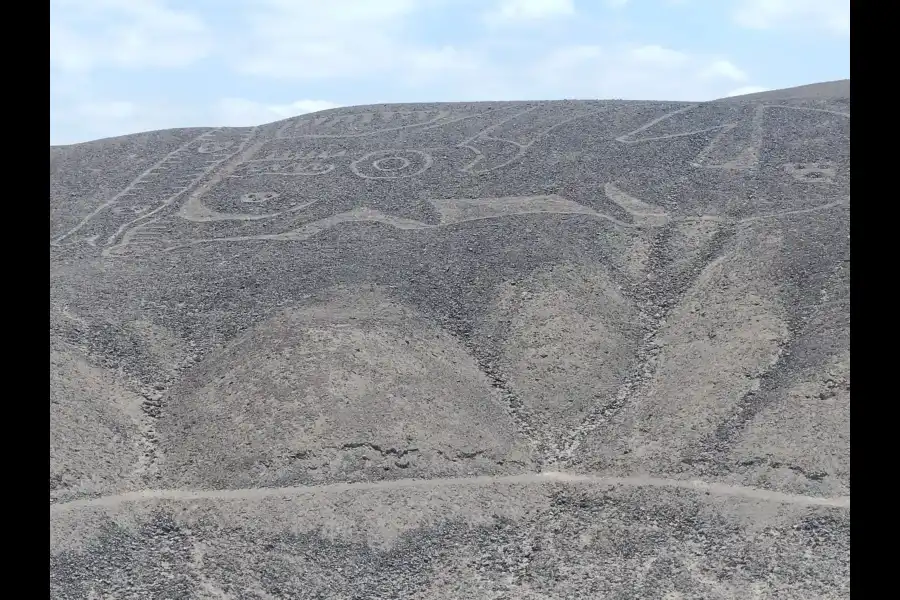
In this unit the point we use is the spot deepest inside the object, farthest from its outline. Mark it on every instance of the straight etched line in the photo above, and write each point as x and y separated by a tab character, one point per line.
795	212
650	124
186	187
717	489
704	154
523	148
193	209
131	186
821	110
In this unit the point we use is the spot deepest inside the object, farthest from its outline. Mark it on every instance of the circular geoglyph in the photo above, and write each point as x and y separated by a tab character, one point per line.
392	164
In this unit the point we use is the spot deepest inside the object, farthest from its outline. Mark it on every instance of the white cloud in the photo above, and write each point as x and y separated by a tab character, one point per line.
240	112
87	34
747	89
567	59
348	40
649	72
448	65
530	10
447	58
113	110
658	56
828	15
291	39
87	118
375	50
724	69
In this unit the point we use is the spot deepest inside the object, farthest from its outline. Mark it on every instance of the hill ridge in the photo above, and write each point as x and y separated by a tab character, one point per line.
336	343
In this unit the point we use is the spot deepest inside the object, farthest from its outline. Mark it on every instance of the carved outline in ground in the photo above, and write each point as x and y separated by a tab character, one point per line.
747	160
213	147
213	165
426	161
824	171
145	235
130	187
195	210
440	119
205	168
469	143
452	211
642	213
311	155
285	168
305	163
711	488
522	148
461	210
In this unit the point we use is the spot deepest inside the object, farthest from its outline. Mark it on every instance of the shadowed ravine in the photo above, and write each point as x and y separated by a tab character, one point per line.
573	349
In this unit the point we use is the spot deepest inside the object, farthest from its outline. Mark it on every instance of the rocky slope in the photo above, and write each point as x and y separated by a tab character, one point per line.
579	349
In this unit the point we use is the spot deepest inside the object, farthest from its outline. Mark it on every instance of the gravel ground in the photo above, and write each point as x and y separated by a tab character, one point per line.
575	349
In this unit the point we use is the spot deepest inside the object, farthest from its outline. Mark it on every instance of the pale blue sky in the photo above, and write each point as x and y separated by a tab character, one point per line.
123	66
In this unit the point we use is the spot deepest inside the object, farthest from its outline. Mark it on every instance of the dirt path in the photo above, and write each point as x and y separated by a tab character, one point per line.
717	489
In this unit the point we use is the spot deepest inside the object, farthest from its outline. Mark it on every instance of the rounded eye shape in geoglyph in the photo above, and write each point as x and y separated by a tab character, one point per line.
812	172
259	197
392	164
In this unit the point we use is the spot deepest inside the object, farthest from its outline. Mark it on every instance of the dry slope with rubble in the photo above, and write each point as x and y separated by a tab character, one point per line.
594	349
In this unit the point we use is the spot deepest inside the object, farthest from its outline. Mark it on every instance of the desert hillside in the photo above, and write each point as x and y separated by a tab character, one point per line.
512	350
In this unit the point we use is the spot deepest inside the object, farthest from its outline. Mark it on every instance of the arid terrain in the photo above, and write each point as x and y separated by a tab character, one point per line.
513	350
